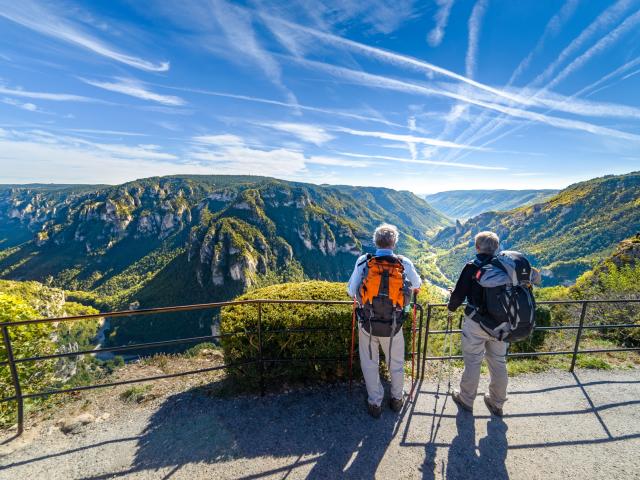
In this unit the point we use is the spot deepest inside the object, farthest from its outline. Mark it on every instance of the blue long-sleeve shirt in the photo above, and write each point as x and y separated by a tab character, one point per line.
361	264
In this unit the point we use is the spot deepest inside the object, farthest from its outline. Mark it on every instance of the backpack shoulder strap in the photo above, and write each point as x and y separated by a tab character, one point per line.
365	260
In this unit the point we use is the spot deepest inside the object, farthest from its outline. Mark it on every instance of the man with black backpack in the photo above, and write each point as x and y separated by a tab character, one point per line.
500	309
382	285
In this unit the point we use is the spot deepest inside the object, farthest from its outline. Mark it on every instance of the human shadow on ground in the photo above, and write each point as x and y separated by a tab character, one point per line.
489	462
325	430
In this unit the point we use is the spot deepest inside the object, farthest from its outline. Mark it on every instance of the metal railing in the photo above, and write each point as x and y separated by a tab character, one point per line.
260	360
580	327
419	348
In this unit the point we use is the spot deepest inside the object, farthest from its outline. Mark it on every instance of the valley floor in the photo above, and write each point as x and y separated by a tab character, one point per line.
557	425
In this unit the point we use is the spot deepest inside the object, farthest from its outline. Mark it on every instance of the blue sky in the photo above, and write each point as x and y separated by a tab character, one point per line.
423	96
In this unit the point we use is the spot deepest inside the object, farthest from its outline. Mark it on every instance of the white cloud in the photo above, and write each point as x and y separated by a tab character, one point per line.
442	19
134	88
293	106
235	155
219	140
472	166
378	81
38	156
303	131
629	25
31	15
552	29
118	133
25	106
603	22
407	138
56	97
475	22
387	56
236	25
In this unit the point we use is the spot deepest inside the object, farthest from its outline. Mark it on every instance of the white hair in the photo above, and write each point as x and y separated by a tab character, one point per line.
386	236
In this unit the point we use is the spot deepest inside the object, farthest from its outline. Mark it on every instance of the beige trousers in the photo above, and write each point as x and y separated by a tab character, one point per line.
371	365
476	345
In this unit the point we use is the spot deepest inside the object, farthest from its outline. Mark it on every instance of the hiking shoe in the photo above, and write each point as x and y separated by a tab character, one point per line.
396	404
455	396
497	411
374	410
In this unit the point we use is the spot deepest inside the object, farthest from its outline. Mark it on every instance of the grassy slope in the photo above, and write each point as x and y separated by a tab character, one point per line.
564	235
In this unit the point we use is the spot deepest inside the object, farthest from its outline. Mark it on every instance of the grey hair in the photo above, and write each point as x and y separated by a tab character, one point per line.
487	242
386	236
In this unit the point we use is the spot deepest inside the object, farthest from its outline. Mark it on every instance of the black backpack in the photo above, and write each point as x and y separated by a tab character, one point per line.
508	310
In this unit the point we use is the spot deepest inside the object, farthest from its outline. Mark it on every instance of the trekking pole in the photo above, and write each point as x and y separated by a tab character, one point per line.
353	340
413	344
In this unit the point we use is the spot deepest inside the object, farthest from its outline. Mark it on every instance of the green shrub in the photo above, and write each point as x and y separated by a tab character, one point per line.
278	345
28	341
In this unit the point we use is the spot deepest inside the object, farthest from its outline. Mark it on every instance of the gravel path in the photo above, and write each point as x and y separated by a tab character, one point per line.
557	425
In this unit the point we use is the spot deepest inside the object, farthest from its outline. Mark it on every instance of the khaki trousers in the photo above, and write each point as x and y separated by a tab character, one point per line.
371	365
476	345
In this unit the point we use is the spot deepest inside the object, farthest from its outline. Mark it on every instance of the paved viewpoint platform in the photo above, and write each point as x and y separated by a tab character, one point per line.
557	425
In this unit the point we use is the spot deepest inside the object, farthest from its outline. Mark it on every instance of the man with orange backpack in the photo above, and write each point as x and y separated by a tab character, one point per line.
382	285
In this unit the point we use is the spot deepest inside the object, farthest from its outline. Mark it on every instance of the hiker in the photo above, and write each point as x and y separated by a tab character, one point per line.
382	285
487	329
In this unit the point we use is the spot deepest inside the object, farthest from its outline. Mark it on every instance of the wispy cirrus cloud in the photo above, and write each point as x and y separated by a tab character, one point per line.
236	23
475	24
552	28
304	131
386	56
234	154
471	166
36	17
406	138
55	97
23	105
630	24
378	81
134	88
37	156
292	106
603	22
435	36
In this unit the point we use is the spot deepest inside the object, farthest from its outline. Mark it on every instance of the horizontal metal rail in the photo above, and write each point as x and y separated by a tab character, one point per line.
260	333
180	308
559	327
127	382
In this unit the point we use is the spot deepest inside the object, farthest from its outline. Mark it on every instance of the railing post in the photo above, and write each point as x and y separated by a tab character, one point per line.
578	336
14	378
419	341
426	341
260	357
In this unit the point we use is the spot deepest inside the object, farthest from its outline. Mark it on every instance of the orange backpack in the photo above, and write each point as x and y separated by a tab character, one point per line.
383	295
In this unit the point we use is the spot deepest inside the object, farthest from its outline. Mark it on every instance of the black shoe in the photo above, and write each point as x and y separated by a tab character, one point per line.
455	396
374	410
492	408
396	404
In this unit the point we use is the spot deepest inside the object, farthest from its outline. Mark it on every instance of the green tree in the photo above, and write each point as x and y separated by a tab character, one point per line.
27	341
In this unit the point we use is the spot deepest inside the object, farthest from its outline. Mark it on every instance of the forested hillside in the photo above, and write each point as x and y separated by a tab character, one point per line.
187	239
564	235
464	204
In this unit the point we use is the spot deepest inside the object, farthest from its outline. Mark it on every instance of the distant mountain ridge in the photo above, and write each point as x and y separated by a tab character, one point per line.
464	204
564	235
190	239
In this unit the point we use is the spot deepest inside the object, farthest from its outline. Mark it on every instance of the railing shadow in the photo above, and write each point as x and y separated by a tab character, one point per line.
327	432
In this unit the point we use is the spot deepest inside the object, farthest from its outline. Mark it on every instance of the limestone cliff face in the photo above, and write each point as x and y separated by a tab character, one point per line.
192	238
